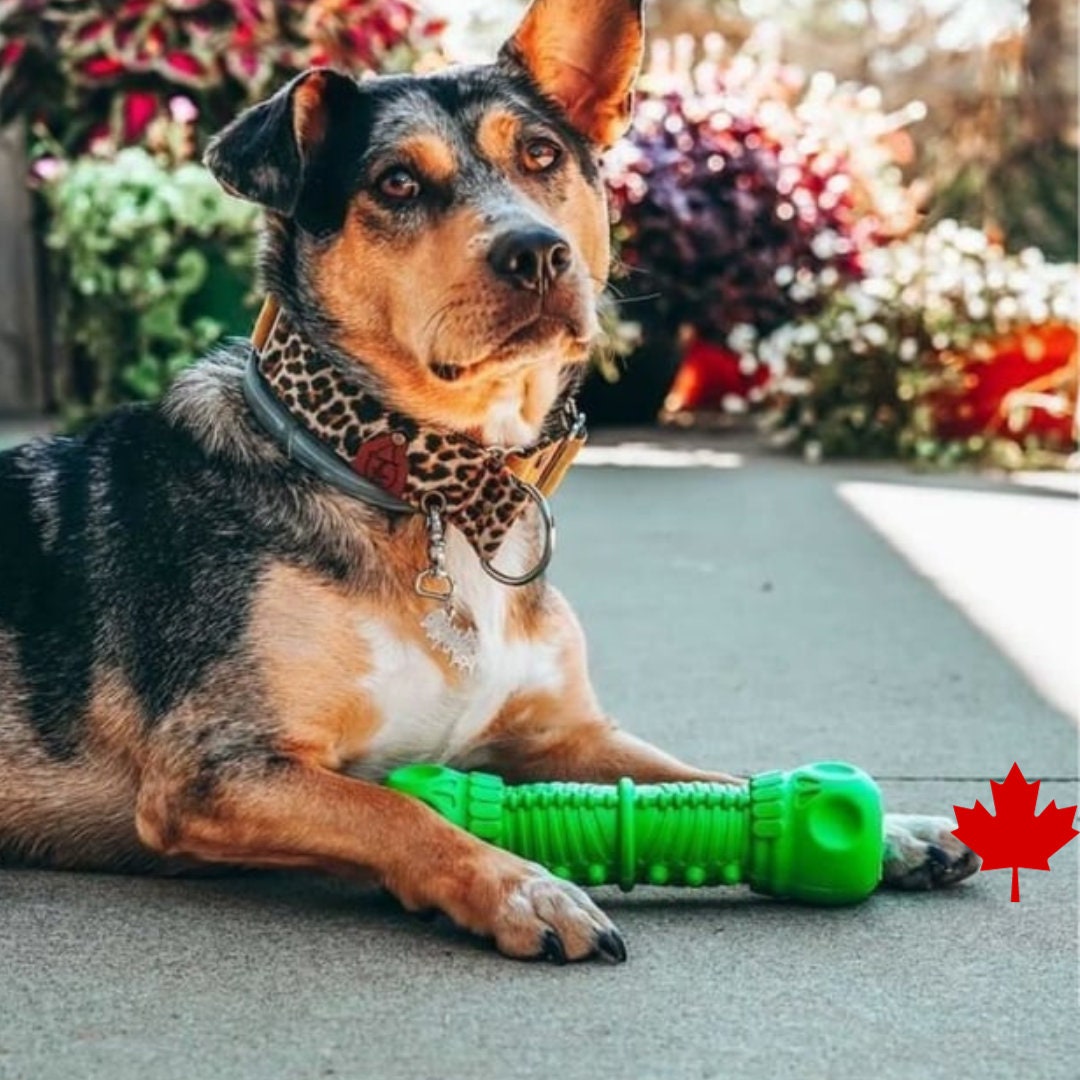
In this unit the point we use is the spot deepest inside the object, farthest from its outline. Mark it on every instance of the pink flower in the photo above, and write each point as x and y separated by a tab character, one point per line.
183	110
47	169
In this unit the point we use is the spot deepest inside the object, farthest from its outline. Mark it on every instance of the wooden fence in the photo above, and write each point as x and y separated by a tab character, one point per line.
23	380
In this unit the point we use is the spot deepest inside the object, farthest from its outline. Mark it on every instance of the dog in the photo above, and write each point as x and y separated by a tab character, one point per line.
225	617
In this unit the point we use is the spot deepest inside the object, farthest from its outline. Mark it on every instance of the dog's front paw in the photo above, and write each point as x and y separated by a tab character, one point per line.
922	853
530	914
543	917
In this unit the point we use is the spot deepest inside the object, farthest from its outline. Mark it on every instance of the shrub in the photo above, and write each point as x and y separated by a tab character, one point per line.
742	181
948	348
154	263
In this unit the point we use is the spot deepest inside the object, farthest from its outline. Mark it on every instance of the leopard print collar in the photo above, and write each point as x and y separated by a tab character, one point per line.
480	490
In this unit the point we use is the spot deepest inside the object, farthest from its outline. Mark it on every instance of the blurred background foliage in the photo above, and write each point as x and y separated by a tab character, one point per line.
998	79
851	221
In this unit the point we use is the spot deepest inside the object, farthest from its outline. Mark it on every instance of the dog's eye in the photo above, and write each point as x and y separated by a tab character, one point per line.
539	155
399	183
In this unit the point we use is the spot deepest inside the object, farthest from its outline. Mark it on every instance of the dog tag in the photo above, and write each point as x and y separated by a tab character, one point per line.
457	640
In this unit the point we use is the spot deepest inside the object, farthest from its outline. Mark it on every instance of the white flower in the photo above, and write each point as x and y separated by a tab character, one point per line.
875	334
881	288
945	230
866	306
742	338
1038	312
1006	309
1064	308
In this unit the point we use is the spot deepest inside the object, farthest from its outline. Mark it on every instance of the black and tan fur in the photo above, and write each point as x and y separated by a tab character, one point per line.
207	655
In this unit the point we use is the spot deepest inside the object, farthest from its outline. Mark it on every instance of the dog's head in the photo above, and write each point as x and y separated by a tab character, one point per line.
449	232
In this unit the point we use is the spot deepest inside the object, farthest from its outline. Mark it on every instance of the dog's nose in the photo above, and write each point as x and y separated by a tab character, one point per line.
530	258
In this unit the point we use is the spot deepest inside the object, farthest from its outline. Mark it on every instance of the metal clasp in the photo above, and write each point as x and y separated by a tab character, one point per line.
434	582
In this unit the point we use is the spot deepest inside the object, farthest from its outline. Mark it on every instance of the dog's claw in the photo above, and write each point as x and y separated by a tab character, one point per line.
610	945
552	948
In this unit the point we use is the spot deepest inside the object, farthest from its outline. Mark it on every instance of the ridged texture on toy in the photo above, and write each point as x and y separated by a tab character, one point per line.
663	834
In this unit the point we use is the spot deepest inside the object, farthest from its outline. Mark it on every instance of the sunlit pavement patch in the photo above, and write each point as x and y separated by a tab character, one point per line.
1007	560
1061	483
643	455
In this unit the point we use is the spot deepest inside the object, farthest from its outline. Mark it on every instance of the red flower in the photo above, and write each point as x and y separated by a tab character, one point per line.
139	109
707	375
183	67
11	53
999	377
101	67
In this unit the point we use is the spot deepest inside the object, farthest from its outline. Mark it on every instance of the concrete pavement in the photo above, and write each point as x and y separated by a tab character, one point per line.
743	617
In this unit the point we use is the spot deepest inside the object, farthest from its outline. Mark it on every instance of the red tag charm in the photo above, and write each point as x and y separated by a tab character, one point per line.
384	461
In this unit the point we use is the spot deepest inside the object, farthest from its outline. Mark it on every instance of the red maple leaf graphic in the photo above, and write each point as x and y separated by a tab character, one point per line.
1015	836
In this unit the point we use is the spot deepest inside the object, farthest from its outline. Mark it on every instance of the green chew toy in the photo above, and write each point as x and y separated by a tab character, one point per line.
813	834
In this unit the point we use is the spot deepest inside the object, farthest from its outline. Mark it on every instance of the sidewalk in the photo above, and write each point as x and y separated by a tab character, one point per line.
743	615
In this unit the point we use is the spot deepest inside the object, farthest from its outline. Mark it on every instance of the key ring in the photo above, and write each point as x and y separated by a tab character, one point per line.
547	520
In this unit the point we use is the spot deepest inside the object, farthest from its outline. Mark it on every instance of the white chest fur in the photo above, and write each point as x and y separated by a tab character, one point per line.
427	715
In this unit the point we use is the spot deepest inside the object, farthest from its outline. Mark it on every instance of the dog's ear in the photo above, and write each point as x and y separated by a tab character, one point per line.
585	56
272	151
